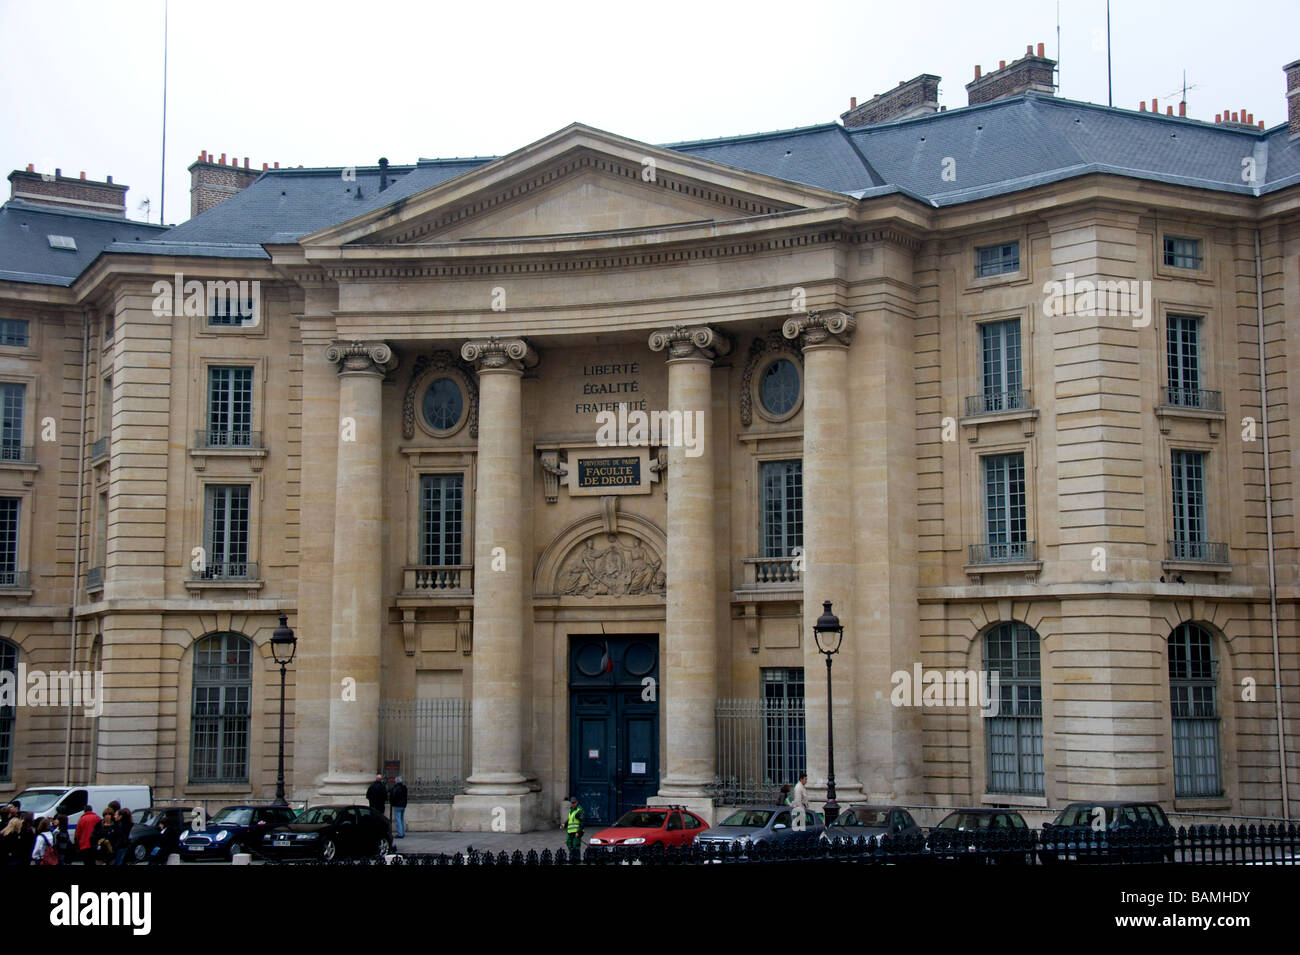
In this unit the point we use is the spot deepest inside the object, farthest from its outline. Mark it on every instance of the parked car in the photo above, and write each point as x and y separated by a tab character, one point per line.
652	826
871	823
329	833
148	826
1094	825
233	829
970	835
50	801
761	825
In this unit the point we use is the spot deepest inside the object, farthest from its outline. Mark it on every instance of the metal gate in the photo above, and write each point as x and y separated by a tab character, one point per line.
431	741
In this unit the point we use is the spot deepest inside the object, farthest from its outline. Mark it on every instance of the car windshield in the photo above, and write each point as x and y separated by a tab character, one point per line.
321	814
966	820
748	818
38	800
150	817
874	818
233	816
641	819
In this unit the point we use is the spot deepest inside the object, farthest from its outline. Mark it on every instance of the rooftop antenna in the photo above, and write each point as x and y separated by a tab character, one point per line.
1185	88
162	185
1058	45
144	204
1110	97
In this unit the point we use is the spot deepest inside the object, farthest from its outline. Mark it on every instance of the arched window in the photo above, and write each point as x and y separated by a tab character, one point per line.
223	689
9	671
1014	736
1193	675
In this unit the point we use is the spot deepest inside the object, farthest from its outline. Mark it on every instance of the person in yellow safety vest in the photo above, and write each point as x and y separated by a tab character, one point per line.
573	825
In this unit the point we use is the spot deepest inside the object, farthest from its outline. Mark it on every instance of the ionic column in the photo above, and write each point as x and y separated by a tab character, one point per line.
827	540
497	779
690	682
358	604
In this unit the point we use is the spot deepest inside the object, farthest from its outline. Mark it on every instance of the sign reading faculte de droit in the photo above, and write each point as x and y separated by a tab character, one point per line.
609	472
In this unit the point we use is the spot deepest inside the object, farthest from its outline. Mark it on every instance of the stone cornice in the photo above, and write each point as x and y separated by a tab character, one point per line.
831	327
361	358
698	342
497	354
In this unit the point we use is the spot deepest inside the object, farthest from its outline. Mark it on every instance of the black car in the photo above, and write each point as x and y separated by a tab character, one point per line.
145	832
871	823
232	830
329	833
982	835
1109	831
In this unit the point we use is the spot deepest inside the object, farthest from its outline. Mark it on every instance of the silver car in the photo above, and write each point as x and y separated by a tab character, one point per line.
870	823
759	825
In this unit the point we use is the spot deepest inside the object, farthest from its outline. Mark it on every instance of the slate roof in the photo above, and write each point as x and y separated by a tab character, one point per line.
996	148
25	252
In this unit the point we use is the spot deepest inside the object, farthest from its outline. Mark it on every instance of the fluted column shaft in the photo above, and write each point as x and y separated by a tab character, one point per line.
498	723
358	605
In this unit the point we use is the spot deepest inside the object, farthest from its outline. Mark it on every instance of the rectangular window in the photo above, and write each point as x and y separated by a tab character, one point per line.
1192	682
1183	357
1000	350
441	519
997	259
784	745
227	531
1188	468
13	398
1015	734
782	507
229	304
1004	502
1182	253
14	331
9	507
230	407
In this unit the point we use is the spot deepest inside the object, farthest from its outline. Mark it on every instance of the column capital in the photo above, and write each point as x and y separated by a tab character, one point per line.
832	328
699	342
499	354
362	358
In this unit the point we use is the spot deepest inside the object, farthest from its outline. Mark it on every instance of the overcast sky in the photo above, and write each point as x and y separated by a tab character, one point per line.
337	84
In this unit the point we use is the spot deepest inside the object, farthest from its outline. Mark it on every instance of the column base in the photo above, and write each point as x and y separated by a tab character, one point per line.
701	805
343	788
500	812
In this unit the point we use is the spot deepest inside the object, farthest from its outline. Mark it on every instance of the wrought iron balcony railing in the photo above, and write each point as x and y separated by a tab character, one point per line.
1009	552
225	438
1199	552
227	570
13	453
94	579
1196	398
99	450
992	402
15	579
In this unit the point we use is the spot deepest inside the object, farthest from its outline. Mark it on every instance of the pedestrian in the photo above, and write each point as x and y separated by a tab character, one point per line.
397	799
783	797
573	825
63	843
83	848
377	794
121	838
169	841
26	839
101	840
10	839
799	801
43	851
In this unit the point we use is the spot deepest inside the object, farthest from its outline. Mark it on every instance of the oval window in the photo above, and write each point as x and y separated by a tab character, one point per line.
779	389
443	405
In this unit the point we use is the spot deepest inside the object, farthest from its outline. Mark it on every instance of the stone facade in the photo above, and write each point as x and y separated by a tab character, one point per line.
686	286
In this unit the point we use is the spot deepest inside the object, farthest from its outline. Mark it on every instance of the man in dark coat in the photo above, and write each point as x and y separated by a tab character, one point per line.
398	800
377	794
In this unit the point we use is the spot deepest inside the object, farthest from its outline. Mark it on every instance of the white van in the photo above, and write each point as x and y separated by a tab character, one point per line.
50	801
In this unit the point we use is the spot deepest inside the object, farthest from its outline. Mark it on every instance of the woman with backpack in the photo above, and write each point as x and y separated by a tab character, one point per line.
43	851
63	842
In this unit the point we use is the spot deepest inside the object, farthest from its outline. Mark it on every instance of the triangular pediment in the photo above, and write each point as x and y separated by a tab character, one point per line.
576	182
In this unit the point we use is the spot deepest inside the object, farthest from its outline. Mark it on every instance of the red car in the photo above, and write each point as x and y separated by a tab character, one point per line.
654	825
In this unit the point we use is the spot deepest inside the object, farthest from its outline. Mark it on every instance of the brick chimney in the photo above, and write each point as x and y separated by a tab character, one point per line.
67	192
213	181
1033	71
918	96
1293	98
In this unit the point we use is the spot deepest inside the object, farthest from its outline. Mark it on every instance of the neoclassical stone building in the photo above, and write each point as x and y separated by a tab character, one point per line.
552	459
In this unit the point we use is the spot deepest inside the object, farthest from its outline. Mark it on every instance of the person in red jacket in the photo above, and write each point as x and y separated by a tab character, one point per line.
85	826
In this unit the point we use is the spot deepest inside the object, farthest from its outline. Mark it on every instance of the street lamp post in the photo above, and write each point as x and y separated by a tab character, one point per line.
829	635
283	646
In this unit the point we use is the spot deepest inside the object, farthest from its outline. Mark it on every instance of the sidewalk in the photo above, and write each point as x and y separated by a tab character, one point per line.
453	842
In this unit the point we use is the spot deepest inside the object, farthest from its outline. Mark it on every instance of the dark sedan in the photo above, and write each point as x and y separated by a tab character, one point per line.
757	825
1109	832
233	829
145	832
329	833
982	835
871	823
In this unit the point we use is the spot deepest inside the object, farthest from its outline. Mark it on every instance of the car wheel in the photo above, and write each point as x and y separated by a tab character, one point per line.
329	851
141	852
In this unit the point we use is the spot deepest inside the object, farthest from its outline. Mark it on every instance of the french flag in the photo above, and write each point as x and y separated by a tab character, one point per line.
606	661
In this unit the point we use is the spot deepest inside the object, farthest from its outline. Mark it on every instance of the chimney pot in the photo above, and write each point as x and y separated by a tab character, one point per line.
223	159
31	167
977	71
110	179
1261	124
83	174
853	102
1218	117
1040	49
1182	108
1002	64
263	167
57	172
1234	118
1250	118
1142	106
1029	50
277	165
245	162
1155	106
